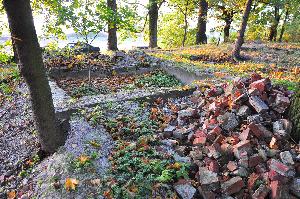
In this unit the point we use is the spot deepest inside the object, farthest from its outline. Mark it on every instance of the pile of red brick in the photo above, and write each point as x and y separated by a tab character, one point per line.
237	138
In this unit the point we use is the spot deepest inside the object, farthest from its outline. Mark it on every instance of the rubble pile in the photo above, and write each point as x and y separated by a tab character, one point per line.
236	137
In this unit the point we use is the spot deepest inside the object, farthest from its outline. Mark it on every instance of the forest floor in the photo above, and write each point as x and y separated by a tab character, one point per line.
140	131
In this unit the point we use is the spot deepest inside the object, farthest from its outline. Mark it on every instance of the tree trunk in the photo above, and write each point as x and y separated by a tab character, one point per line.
227	29
273	28
295	115
112	29
240	40
32	69
185	30
283	25
153	17
202	20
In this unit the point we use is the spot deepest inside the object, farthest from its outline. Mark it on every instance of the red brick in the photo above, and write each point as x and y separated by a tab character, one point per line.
233	185
260	85
281	168
245	134
255	160
241	147
259	130
281	103
258	104
220	139
275	189
273	175
199	141
206	194
261	192
231	166
213	166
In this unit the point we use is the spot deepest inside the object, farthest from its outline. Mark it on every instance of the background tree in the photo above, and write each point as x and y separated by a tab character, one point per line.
186	8
112	41
153	17
240	40
32	69
225	10
201	37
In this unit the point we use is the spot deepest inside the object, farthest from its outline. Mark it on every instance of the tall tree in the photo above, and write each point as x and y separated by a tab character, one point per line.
201	37
32	69
112	41
275	22
153	17
240	40
284	24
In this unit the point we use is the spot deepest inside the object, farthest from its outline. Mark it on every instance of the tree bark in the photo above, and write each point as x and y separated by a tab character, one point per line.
295	115
273	28
153	17
227	29
185	29
283	25
201	37
23	33
240	40
112	41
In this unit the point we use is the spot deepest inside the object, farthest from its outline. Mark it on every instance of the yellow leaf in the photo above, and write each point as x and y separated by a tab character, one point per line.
273	144
71	184
83	159
11	195
176	165
185	88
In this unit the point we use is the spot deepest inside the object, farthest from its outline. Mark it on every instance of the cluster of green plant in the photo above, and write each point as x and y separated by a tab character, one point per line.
86	90
292	86
27	168
8	79
138	167
125	126
158	79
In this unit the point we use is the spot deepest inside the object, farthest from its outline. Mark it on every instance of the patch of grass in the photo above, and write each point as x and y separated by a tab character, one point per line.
292	86
137	168
86	90
158	79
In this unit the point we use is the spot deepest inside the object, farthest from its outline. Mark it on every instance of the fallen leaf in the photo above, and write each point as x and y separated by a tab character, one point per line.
83	159
11	195
71	184
273	144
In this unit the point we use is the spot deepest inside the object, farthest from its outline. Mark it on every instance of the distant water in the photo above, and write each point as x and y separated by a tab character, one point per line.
100	41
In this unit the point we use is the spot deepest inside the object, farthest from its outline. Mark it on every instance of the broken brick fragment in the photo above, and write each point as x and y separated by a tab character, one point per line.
245	135
207	177
281	103
231	166
261	85
258	104
242	146
261	192
254	160
260	131
199	141
281	168
233	185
